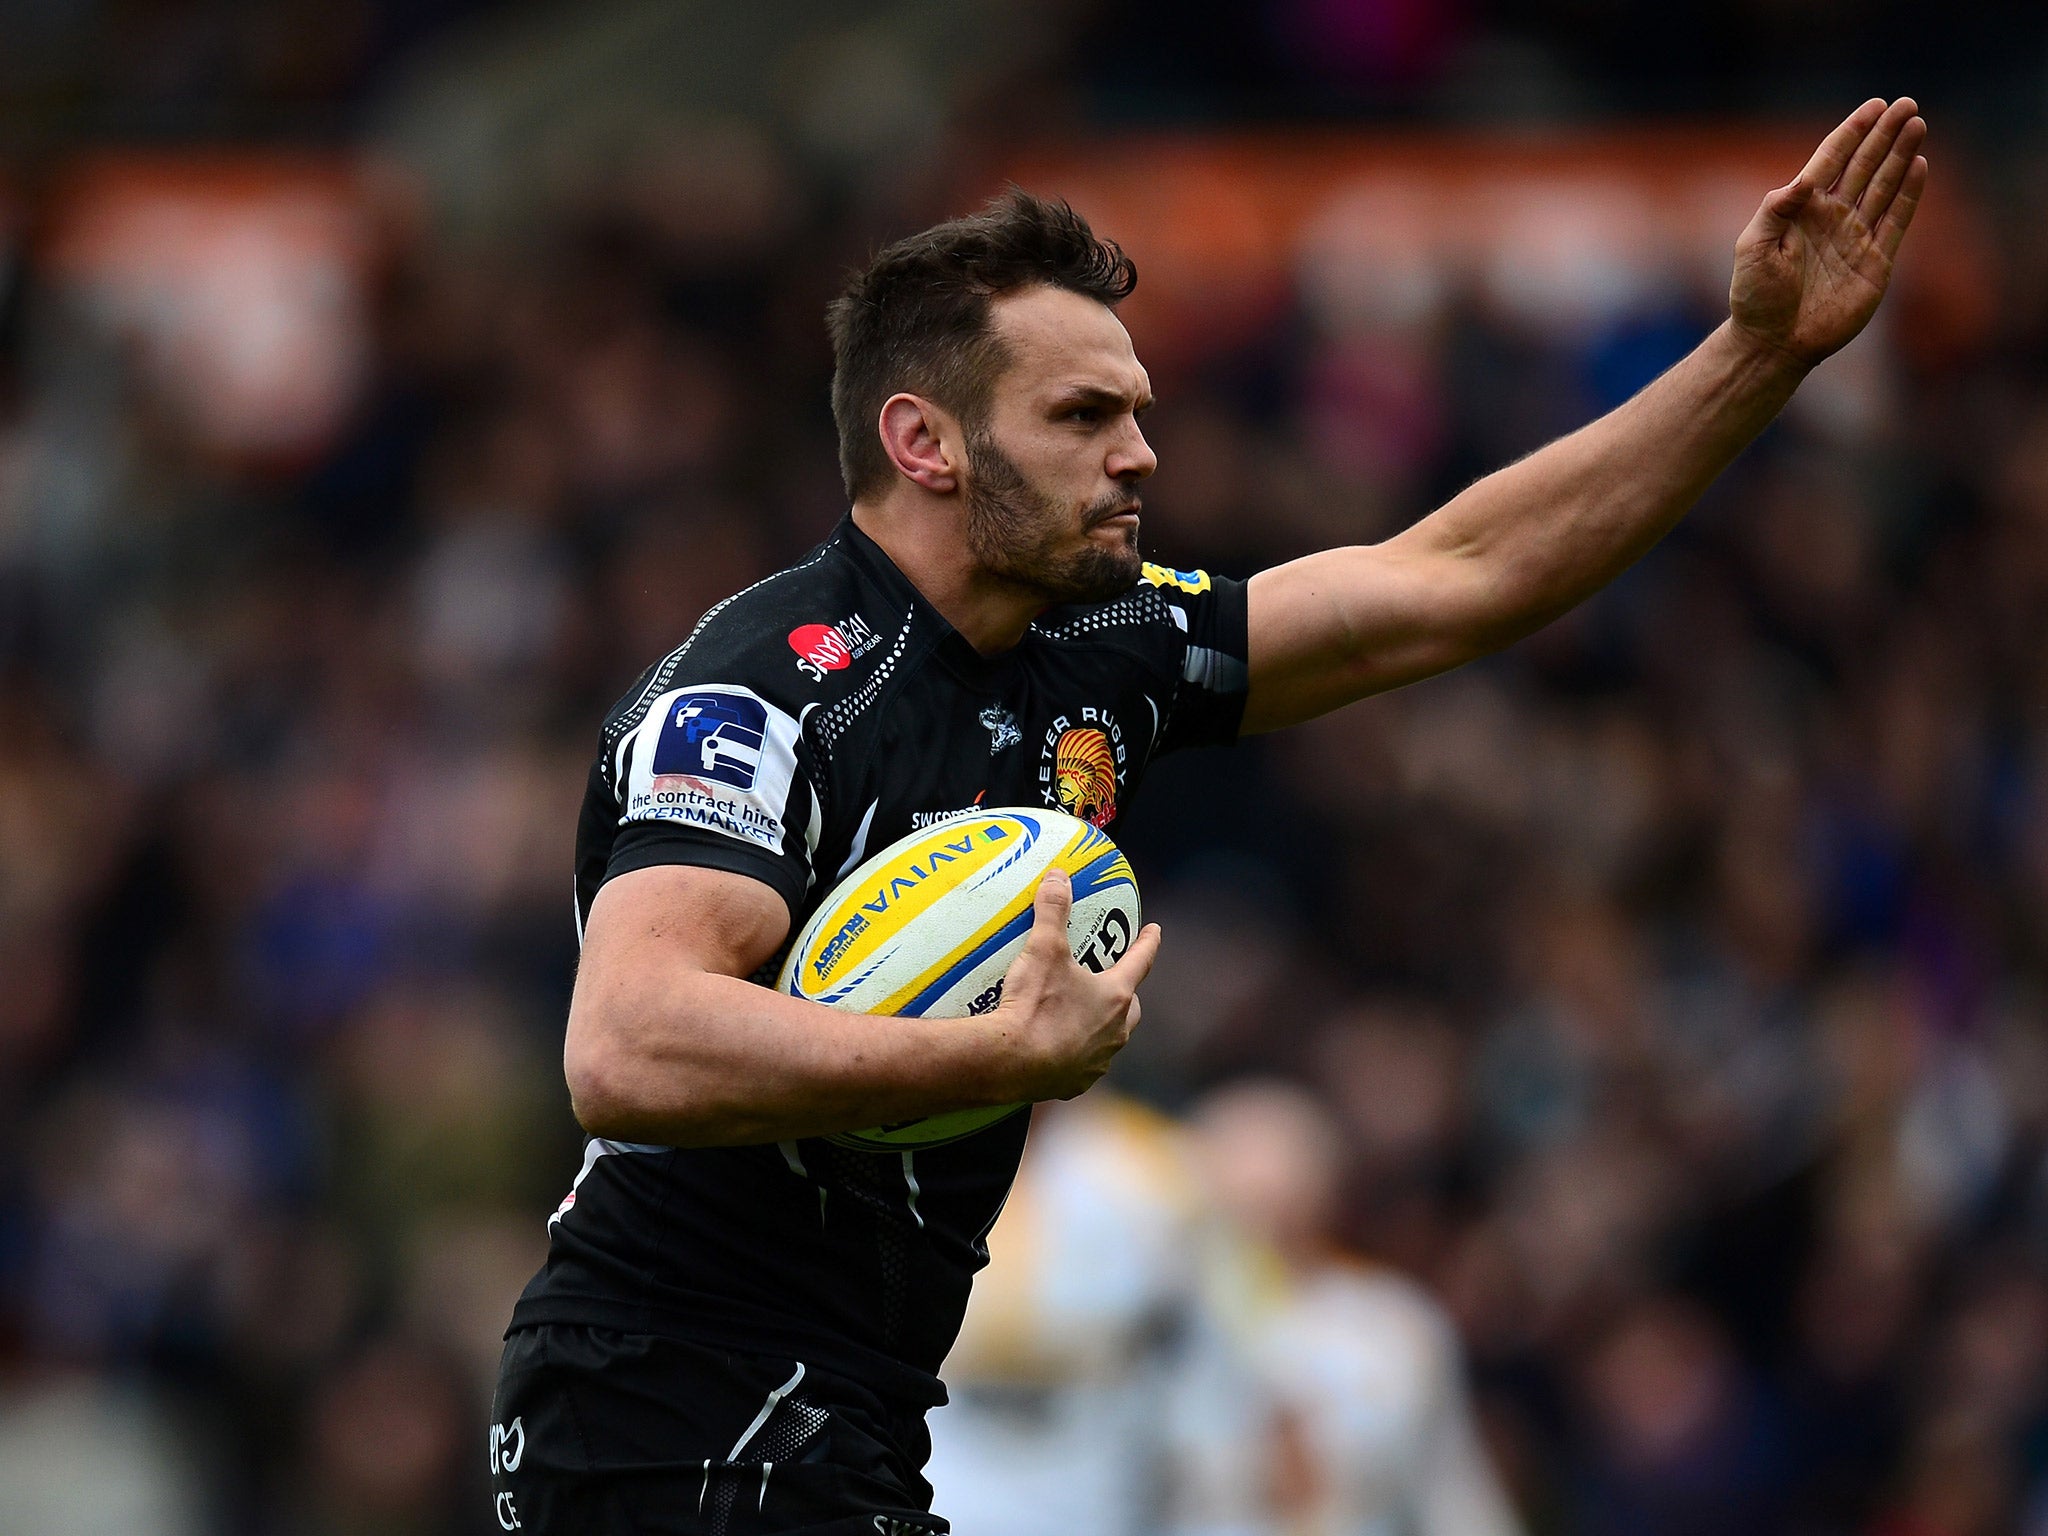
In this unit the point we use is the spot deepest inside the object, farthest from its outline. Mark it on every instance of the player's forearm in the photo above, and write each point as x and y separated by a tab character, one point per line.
1546	532
710	1060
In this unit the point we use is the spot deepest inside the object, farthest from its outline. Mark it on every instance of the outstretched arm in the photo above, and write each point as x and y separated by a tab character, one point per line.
1528	542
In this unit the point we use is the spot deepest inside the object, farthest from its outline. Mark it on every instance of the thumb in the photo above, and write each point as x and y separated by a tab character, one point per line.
1050	908
1777	212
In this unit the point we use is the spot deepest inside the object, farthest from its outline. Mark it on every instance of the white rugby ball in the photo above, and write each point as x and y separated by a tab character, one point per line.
928	927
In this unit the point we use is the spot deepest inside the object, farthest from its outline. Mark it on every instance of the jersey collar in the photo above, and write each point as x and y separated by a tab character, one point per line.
948	644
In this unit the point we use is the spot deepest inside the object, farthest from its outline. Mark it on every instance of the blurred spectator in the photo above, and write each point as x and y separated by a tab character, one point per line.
1073	1370
1678	1439
84	1459
1372	1429
385	1451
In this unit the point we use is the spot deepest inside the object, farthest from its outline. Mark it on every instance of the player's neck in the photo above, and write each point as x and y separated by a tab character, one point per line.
990	614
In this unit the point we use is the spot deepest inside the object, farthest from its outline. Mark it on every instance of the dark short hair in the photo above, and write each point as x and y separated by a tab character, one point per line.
917	318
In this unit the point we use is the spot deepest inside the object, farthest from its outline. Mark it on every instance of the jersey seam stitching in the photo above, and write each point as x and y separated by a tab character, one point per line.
664	670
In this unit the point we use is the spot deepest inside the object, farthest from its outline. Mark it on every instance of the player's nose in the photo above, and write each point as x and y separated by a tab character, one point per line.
1132	458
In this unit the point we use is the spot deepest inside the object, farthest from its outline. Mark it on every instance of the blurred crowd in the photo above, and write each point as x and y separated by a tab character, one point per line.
1652	1021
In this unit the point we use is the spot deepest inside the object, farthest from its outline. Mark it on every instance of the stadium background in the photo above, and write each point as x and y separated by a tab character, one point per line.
382	385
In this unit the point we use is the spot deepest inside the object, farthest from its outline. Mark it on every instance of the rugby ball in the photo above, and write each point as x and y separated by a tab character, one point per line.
928	928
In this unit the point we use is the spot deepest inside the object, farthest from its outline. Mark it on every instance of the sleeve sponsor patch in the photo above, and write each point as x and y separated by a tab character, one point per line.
717	757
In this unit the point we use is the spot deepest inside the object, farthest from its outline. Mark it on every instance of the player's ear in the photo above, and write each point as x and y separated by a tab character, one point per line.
916	435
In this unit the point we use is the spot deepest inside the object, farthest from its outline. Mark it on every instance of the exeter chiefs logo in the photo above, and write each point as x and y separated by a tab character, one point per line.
1084	776
1081	766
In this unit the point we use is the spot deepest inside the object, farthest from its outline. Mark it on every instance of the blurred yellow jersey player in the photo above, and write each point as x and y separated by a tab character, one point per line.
1358	1366
1163	1346
1072	1333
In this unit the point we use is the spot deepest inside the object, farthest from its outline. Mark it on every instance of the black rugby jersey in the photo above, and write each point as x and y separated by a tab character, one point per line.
809	721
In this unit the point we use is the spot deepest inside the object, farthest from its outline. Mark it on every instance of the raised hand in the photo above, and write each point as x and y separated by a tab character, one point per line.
1813	263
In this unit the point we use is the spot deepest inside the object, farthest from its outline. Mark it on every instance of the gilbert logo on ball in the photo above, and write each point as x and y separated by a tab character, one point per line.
929	926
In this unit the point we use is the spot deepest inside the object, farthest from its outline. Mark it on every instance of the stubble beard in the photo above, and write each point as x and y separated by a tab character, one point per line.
1015	532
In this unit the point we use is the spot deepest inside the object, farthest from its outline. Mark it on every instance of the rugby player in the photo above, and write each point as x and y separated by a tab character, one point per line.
740	1323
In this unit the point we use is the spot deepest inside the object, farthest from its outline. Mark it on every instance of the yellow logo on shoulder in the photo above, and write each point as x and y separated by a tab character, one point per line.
1166	576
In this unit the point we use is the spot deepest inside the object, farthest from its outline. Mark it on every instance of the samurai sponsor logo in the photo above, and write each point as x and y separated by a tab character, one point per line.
1081	766
822	648
722	758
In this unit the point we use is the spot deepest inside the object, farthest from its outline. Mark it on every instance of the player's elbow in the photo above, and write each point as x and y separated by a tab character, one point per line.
608	1077
1480	605
600	1085
624	1087
608	1094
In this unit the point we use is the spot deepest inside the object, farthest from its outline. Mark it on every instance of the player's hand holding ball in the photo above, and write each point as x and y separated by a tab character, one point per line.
1062	1024
1026	921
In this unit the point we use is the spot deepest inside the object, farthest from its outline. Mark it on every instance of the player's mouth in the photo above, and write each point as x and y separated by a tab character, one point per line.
1120	517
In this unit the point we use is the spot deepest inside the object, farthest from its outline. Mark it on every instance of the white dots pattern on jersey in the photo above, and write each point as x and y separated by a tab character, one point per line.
1141	605
833	723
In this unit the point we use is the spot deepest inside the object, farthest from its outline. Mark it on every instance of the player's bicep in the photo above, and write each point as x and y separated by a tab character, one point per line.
685	915
653	939
651	932
1338	626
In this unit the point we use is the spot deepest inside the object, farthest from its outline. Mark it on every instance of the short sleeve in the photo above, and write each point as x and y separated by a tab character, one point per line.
711	776
1209	613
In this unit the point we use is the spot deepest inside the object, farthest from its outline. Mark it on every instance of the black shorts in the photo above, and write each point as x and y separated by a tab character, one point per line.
596	1433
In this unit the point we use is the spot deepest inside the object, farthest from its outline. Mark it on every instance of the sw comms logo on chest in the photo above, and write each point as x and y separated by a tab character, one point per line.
1081	766
721	758
822	648
919	820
